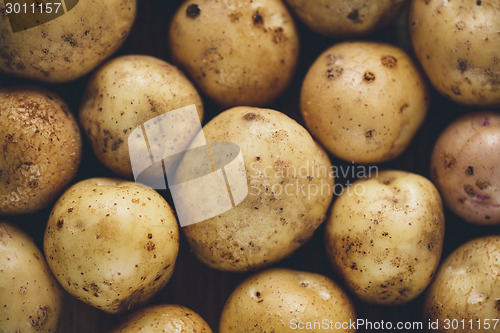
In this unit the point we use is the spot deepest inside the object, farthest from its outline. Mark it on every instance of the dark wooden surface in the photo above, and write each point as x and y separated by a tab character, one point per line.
203	289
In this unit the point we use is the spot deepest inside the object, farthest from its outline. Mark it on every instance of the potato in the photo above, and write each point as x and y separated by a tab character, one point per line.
338	18
385	235
66	46
283	300
290	187
364	101
457	44
465	167
111	243
30	297
466	291
41	149
123	94
237	52
163	318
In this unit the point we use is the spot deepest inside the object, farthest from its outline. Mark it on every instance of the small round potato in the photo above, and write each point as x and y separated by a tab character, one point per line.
283	300
290	187
41	149
30	298
123	94
465	167
237	52
340	18
457	43
111	243
163	318
467	289
385	236
62	46
364	101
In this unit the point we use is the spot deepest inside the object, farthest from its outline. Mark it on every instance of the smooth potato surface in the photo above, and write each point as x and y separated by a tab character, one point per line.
385	235
364	101
237	52
163	318
111	243
123	94
457	44
30	298
467	288
282	300
465	167
41	149
68	46
290	188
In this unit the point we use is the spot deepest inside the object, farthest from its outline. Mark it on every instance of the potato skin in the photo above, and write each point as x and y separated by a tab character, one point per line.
385	235
457	44
30	298
60	50
465	167
237	52
163	318
276	217
467	287
338	18
111	243
271	300
350	104
41	151
123	94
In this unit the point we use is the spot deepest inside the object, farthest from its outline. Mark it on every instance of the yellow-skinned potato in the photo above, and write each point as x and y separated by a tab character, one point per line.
237	52
465	167
163	318
385	235
339	18
41	149
290	187
364	101
30	298
66	47
283	300
111	243
457	43
126	92
467	289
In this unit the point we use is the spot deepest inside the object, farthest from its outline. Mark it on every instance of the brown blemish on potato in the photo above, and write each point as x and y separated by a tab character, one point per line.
460	25
469	189
116	144
192	11
150	246
497	305
479	2
68	38
456	90
279	35
250	116
403	107
389	61
39	318
150	236
354	16
369	77
60	223
469	171
334	72
449	161
482	185
257	19
463	64
369	134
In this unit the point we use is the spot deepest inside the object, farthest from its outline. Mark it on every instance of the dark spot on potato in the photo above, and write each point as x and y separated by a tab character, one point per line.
33	184
469	171
70	209
354	16
334	72
449	161
150	246
469	190
250	116
482	184
158	277
60	223
279	35
20	66
456	90
304	284
427	2
257	19
369	134
387	181
257	294
486	122
354	266
39	318
369	77
479	2
404	106
68	38
150	236
463	64
389	61
487	217
257	158
116	144
192	11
